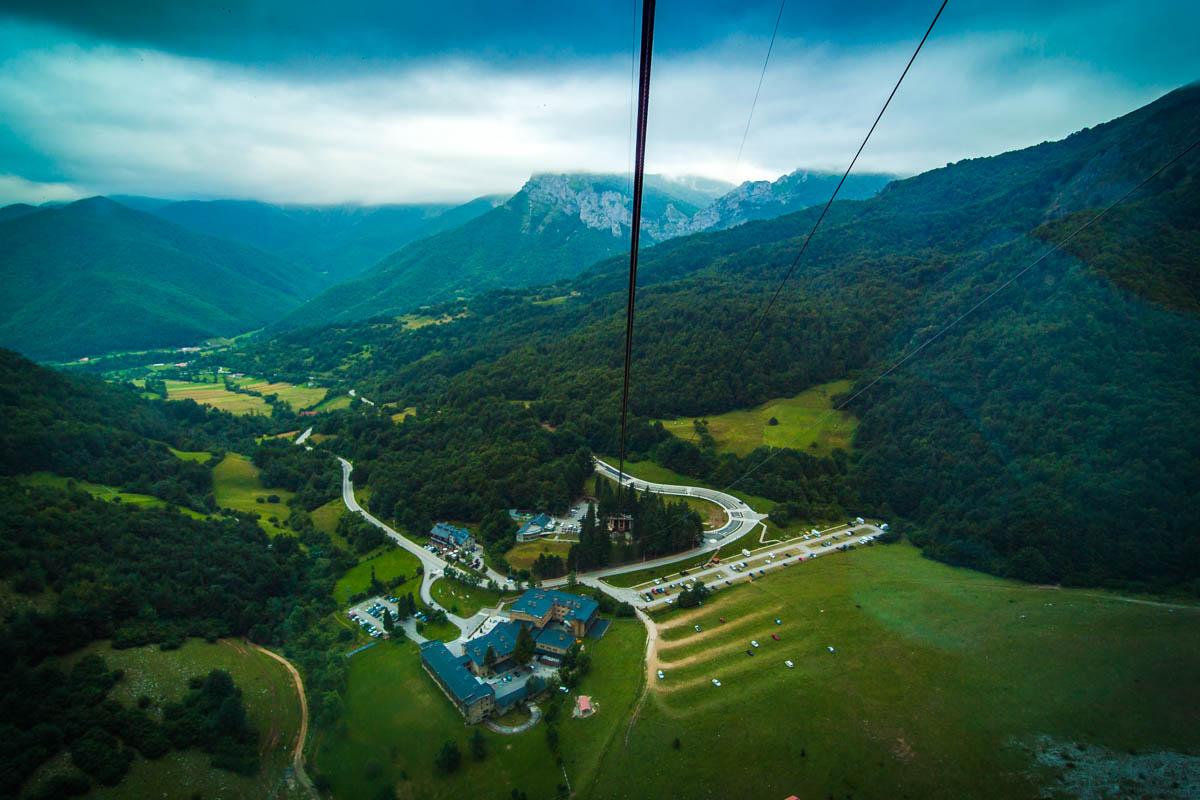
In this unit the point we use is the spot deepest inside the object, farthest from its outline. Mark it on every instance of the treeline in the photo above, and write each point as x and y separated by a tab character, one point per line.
314	475
81	427
47	711
658	527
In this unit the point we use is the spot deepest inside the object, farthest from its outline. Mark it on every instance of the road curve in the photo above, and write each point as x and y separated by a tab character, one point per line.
432	565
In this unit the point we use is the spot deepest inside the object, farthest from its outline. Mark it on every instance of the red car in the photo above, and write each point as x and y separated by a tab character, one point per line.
775	636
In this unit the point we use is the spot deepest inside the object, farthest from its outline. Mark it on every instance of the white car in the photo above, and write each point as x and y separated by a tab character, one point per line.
789	664
831	648
661	675
697	628
716	682
670	600
754	643
657	581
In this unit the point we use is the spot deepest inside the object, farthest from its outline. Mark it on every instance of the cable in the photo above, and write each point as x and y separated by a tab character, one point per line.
762	75
846	174
1051	251
639	169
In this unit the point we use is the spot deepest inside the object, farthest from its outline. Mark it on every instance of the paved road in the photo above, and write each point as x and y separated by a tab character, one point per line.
432	565
740	520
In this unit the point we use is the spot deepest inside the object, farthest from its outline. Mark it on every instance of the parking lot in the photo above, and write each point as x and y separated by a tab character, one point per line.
368	614
751	565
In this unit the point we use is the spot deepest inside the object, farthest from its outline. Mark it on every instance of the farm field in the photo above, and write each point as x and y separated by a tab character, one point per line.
236	486
803	424
104	492
464	600
333	403
217	396
944	683
390	563
396	720
271	703
522	555
298	397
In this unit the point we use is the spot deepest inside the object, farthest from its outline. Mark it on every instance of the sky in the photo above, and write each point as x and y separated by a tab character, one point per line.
385	101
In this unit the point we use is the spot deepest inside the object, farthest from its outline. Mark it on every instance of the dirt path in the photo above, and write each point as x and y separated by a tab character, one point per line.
298	753
651	670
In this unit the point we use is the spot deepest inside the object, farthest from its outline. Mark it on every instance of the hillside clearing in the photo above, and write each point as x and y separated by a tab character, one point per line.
803	423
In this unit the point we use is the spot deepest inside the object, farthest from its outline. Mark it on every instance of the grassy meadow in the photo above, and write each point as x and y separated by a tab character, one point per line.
390	563
941	683
803	424
236	486
271	704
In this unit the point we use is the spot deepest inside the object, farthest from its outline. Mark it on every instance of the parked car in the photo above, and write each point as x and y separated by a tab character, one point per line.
661	675
775	636
754	643
789	664
749	652
716	682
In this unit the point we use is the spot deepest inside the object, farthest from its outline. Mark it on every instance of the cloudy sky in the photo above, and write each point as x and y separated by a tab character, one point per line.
372	101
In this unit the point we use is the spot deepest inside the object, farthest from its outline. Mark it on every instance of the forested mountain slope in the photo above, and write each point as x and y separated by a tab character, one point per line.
95	276
1052	435
335	242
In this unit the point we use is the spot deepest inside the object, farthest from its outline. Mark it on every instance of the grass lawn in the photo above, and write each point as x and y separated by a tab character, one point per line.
390	563
217	396
236	486
522	555
397	719
271	703
940	681
803	424
104	492
452	594
298	397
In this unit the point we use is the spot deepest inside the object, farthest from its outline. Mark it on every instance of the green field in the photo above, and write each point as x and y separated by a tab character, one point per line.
236	486
803	424
200	456
522	555
940	681
271	704
298	397
333	403
217	396
103	492
404	414
396	720
389	564
452	594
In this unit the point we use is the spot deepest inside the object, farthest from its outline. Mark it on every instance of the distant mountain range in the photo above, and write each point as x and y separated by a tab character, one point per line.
554	228
108	274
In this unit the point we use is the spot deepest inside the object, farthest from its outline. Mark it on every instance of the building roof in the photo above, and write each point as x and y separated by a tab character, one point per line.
451	670
556	637
449	533
541	520
502	639
583	703
537	602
